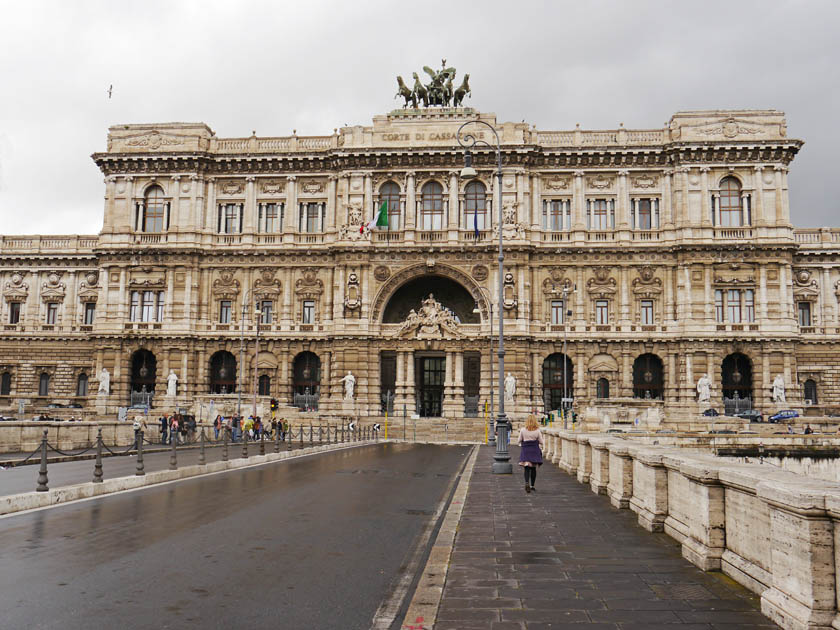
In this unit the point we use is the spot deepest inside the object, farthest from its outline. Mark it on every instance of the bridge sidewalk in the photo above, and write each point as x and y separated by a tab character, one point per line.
564	558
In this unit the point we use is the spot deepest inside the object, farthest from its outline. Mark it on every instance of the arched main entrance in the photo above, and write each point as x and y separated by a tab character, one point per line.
222	373
736	383
558	381
648	377
306	383
448	292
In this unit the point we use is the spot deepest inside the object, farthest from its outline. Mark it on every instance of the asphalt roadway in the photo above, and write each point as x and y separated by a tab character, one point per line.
315	542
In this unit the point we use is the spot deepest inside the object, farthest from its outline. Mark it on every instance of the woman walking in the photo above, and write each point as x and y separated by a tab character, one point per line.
530	455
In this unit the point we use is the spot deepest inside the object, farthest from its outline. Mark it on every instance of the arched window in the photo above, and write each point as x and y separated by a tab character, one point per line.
222	373
82	385
389	192
730	203
6	384
648	380
602	389
306	383
475	206
44	385
431	206
154	210
810	393
264	388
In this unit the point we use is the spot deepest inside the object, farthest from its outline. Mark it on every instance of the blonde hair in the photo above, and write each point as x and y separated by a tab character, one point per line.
531	424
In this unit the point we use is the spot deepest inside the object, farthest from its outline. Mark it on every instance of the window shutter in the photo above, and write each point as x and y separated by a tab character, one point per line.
168	214
220	219
137	216
241	214
300	217
259	217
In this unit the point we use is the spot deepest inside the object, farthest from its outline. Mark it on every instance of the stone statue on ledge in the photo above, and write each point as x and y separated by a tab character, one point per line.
172	384
704	389
104	382
349	386
779	389
510	387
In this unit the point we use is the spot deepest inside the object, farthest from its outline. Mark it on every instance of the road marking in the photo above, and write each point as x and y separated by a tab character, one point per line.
390	608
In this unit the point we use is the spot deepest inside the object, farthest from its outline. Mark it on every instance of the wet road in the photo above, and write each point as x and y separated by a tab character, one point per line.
314	542
25	478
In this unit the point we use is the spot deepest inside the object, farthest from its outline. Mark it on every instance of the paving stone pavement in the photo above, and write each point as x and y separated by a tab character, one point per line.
563	557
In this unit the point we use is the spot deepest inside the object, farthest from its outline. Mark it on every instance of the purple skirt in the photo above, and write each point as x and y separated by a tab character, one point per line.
530	452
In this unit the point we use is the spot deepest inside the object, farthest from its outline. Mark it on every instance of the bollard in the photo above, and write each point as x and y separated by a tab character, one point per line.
311	442
141	468
262	443
289	434
244	444
225	447
328	434
97	467
277	440
320	434
173	456
201	459
42	472
301	436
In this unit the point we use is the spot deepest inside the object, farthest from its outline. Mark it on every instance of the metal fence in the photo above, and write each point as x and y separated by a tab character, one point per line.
306	401
736	404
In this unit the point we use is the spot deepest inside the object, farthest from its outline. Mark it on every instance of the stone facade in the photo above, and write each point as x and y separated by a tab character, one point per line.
673	249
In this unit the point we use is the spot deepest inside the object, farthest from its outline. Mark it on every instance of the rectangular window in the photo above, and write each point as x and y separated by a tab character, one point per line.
224	312
308	312
749	305
645	214
557	312
14	312
554	212
134	313
266	307
52	312
602	312
600	214
310	217
90	312
804	313
647	312
733	306
271	217
719	312
147	312
159	308
230	214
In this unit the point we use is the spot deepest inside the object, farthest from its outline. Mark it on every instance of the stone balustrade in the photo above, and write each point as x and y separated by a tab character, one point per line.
775	532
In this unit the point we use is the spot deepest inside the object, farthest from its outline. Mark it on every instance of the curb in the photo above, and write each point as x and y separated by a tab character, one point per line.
13	503
424	605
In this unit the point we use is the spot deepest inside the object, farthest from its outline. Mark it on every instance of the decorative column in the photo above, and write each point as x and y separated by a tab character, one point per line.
193	220
685	212
579	299
626	380
624	308
759	220
667	198
708	296
672	379
208	220
784	309
577	203
458	389
169	304
250	220
829	315
668	307
689	378
762	294
410	392
453	219
410	202
780	212
536	382
108	222
400	385
536	205
706	218
449	406
623	198
782	193
124	298
173	217
332	202
368	198
292	213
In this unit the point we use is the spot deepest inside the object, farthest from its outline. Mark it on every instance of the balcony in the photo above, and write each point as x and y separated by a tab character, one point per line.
738	233
388	236
556	237
600	237
645	235
437	236
470	236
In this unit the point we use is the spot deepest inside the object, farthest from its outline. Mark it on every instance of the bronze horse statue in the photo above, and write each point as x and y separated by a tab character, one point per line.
462	91
408	95
420	92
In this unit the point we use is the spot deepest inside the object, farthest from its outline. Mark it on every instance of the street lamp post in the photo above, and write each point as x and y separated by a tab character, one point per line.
492	439
245	301
257	318
501	463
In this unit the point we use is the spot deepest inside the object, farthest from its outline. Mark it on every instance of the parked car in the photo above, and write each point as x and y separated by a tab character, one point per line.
711	412
785	414
75	405
753	415
55	405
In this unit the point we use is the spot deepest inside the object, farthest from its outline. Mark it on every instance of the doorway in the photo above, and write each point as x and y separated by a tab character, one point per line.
430	375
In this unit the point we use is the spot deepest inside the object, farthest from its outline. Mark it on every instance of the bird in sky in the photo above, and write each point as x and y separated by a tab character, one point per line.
110	89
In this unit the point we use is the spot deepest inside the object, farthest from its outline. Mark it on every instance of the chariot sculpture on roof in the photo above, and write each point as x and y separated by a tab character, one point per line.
439	91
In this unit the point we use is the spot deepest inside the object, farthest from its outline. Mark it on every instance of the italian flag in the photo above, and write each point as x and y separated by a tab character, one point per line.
379	220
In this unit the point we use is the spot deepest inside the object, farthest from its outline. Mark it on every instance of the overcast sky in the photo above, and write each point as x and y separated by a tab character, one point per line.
313	66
